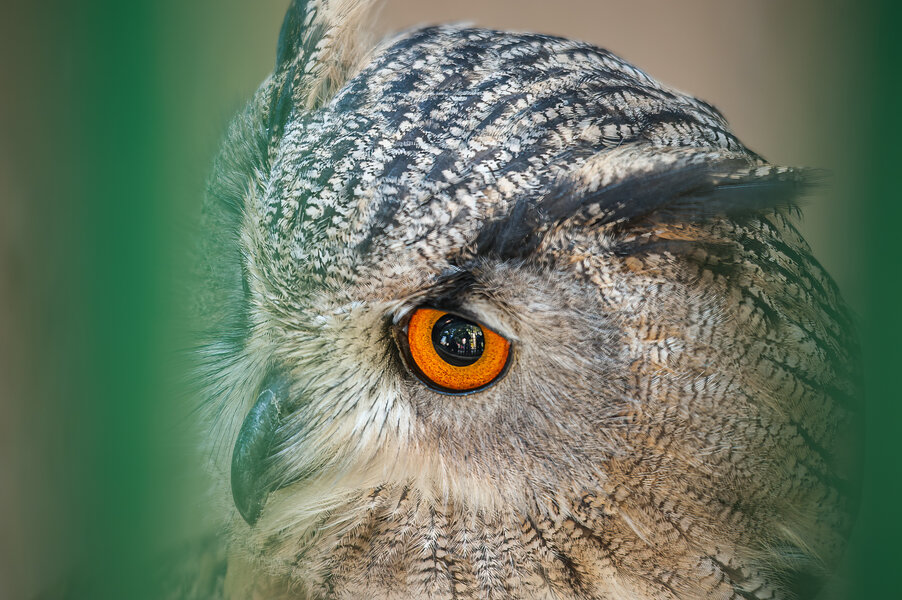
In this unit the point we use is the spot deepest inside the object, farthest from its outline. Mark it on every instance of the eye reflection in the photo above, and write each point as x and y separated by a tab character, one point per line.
458	341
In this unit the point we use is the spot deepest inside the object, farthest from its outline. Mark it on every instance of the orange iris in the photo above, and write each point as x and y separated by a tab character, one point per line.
441	372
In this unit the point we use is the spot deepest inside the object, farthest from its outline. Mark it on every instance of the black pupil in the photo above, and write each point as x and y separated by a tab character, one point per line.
458	341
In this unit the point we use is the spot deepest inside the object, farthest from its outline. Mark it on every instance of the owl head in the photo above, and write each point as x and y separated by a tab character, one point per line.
498	315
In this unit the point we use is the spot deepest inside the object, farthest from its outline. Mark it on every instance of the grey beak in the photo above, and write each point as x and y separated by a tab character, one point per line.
254	446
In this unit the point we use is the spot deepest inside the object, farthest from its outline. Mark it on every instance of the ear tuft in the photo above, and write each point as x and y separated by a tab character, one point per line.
290	35
322	44
685	185
621	188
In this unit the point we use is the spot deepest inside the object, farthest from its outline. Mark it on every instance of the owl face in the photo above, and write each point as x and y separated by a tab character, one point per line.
497	314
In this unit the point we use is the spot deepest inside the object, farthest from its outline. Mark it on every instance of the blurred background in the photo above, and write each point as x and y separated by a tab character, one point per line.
111	112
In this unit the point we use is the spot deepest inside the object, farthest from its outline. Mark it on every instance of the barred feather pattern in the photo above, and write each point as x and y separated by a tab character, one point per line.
674	421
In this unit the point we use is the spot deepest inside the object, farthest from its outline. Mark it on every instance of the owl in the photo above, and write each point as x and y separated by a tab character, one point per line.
497	315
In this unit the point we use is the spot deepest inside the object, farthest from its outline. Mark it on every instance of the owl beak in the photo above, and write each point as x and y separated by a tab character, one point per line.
252	449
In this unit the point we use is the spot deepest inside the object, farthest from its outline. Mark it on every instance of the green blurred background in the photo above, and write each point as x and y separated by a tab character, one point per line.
110	113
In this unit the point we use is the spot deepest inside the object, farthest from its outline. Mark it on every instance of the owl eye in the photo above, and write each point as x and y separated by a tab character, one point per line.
452	354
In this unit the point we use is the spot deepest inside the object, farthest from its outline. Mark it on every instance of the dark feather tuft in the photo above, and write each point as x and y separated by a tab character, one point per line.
688	192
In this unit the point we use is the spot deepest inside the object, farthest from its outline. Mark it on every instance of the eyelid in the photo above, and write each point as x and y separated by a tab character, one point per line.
486	316
401	317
